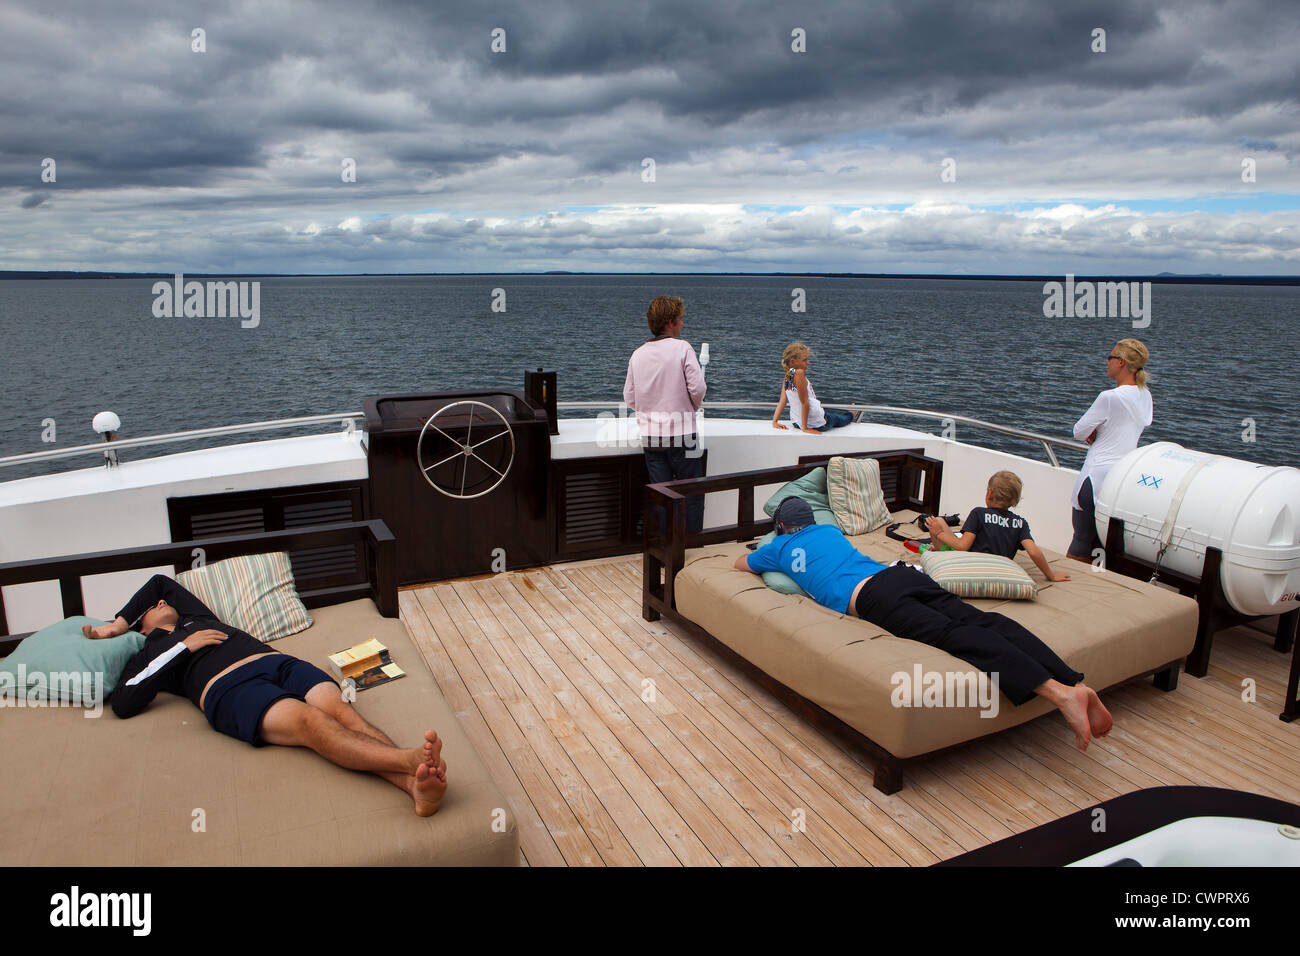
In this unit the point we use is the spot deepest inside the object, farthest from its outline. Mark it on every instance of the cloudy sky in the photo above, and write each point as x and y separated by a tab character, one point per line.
919	136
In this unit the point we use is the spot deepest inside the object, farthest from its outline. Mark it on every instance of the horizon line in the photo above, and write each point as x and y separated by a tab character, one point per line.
1217	278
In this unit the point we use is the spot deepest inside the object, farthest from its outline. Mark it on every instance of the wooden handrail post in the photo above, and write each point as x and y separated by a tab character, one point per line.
385	568
745	512
74	602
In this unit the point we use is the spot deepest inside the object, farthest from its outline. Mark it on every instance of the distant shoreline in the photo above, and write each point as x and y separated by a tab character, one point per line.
1163	278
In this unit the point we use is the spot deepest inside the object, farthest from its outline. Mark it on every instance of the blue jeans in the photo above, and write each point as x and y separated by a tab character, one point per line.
668	464
835	419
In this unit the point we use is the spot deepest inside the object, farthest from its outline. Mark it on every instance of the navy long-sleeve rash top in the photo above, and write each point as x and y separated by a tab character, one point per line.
165	663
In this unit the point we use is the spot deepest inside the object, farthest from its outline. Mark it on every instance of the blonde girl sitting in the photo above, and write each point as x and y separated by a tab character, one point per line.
806	413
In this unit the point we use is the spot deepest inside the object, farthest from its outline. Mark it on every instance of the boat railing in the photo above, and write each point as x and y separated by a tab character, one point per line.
858	410
354	421
348	421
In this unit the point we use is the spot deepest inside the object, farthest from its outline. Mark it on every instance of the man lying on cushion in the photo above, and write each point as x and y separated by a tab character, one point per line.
258	695
904	601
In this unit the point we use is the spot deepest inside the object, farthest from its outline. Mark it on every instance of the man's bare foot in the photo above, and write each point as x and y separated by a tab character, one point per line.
432	748
427	789
429	782
1074	708
1099	719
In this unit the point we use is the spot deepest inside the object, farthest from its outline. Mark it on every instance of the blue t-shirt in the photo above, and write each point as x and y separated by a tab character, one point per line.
821	561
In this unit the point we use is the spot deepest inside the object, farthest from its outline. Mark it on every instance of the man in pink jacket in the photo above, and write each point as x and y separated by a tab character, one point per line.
665	387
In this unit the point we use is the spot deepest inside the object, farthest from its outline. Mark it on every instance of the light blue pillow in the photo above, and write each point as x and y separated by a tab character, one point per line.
779	580
59	663
812	489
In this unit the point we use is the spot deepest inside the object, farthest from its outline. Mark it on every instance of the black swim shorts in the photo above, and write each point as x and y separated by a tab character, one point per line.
237	702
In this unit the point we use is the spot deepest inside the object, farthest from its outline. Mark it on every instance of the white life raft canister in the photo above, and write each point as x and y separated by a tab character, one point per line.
1186	501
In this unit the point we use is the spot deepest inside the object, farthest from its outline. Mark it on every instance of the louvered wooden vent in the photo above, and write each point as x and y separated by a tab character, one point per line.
599	504
218	523
889	484
322	562
276	509
593	510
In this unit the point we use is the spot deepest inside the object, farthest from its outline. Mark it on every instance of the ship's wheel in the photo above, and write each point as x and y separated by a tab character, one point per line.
465	449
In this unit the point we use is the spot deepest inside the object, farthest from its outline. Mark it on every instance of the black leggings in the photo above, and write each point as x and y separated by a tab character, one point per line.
1086	541
907	603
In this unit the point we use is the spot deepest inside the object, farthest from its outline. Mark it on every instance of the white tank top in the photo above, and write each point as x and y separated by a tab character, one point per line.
816	417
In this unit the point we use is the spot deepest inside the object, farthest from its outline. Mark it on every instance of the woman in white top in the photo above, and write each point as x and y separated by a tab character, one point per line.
1112	426
806	413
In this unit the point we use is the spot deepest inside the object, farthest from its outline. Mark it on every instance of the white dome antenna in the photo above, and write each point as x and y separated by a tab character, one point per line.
107	424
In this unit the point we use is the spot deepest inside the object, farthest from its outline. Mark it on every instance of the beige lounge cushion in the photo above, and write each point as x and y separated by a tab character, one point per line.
263	806
856	498
1103	624
254	593
968	574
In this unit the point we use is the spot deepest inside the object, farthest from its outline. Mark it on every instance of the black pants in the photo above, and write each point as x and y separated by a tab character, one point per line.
1086	542
908	603
669	463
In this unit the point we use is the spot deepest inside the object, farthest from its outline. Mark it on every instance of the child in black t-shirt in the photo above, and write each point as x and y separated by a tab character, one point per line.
995	529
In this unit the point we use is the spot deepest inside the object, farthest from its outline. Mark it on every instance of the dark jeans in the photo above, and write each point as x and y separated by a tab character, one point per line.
667	464
835	419
1086	541
908	604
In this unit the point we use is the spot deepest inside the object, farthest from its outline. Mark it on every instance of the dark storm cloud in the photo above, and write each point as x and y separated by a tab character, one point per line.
249	137
117	89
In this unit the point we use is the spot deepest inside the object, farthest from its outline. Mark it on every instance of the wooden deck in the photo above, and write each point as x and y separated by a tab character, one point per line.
622	742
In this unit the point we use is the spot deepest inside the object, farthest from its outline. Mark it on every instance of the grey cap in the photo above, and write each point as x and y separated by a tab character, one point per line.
794	512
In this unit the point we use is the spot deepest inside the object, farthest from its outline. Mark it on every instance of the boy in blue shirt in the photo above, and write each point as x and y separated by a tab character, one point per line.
907	603
995	528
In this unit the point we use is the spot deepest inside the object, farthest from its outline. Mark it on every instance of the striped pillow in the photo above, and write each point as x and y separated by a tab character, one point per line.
970	575
853	487
254	592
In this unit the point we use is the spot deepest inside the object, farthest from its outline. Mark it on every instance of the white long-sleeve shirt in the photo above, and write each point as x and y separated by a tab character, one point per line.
665	385
1119	416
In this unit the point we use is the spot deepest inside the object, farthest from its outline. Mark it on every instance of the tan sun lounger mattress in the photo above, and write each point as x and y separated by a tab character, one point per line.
1106	625
106	791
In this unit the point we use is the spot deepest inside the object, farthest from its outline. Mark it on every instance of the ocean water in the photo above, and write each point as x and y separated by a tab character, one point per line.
1222	356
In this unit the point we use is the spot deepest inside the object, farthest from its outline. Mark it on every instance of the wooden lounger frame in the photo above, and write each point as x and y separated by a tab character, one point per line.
378	542
910	480
1214	613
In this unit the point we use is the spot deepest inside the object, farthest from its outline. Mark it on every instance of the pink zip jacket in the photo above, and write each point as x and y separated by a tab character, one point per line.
665	386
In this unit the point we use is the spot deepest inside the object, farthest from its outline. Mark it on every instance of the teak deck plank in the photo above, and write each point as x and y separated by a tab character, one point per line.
578	770
544	669
1257	755
775	821
685	780
1172	747
571	831
788	779
681	836
536	842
